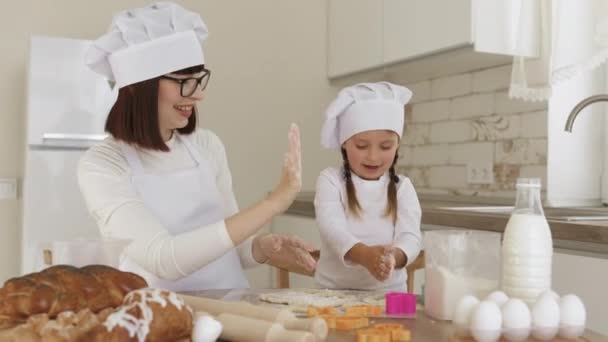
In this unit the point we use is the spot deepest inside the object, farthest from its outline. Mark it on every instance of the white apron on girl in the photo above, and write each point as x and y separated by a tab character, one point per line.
185	200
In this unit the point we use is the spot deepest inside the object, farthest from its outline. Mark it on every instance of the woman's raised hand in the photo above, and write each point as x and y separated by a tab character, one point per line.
291	175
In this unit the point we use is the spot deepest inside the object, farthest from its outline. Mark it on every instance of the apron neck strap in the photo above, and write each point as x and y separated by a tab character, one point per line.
135	162
132	158
188	144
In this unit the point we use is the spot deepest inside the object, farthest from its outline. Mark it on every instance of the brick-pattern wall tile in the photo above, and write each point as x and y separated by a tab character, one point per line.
451	86
464	118
472	106
430	111
418	175
451	132
430	155
505	176
447	177
417	134
432	191
492	79
521	151
421	91
535	171
496	127
534	125
461	154
506	105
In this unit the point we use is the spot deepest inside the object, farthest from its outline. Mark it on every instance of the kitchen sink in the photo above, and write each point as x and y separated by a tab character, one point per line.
563	214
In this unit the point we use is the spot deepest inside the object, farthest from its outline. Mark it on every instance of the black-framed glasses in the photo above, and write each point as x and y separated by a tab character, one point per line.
188	85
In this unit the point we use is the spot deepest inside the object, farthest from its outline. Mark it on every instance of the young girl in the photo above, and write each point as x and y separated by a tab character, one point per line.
368	216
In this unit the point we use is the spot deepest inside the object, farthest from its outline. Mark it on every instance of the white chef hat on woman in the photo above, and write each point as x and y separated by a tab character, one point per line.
148	42
364	107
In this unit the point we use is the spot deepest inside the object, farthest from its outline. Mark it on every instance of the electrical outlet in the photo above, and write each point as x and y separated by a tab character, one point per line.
480	173
8	188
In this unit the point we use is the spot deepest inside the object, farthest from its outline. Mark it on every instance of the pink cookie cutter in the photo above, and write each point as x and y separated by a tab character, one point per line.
400	303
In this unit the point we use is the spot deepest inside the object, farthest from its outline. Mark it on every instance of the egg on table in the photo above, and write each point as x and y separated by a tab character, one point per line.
545	318
462	315
498	297
572	317
486	322
516	320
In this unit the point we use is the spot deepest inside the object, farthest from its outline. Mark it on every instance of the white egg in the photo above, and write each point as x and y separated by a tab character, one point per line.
572	317
486	322
516	320
498	297
550	293
545	318
462	315
206	329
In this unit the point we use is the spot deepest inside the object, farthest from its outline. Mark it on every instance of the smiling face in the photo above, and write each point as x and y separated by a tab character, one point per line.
173	109
371	153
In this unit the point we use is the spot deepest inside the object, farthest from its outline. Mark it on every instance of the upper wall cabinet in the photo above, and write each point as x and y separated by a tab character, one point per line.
355	36
415	28
457	35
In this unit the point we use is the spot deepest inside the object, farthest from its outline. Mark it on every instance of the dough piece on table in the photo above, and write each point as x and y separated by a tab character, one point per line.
350	323
373	335
401	335
398	332
363	310
330	320
298	298
314	311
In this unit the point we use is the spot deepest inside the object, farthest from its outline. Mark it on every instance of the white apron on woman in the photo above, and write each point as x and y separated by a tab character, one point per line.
185	200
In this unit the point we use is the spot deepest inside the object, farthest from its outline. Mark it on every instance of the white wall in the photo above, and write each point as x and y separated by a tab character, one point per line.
268	61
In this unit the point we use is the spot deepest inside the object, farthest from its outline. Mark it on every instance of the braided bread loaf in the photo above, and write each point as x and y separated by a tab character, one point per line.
64	288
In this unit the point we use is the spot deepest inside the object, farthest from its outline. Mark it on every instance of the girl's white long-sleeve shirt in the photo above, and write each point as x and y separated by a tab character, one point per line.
340	230
104	178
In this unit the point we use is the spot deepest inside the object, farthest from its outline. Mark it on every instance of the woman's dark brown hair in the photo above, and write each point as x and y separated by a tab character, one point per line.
351	194
134	117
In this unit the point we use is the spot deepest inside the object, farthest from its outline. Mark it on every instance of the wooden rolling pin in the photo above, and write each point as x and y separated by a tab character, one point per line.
246	329
317	326
216	307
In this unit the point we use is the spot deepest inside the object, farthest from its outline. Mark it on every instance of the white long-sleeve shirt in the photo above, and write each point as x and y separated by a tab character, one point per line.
340	230
104	179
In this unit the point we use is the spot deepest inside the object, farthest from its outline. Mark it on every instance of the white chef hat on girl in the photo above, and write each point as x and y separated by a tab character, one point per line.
148	42
364	107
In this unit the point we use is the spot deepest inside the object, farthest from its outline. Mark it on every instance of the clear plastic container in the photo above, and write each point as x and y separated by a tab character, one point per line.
82	252
527	248
458	263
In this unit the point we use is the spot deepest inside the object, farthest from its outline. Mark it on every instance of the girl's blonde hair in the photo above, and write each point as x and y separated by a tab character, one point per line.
353	203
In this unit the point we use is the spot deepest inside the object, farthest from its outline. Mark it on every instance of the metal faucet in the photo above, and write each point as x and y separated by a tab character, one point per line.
584	103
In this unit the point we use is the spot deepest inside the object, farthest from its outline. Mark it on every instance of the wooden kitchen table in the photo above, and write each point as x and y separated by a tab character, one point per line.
423	328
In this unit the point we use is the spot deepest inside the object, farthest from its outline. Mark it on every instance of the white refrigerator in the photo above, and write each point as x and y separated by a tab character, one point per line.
67	104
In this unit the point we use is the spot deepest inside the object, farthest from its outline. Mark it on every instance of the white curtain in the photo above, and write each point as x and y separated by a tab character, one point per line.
573	39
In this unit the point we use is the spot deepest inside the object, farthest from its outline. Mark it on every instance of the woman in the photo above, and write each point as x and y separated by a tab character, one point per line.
163	183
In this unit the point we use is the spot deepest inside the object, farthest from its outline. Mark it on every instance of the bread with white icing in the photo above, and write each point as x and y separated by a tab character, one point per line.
146	315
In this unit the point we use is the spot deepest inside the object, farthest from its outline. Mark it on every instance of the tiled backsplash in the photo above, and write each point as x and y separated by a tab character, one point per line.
469	118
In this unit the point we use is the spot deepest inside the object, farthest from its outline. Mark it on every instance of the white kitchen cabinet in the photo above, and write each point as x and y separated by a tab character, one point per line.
399	35
586	277
419	27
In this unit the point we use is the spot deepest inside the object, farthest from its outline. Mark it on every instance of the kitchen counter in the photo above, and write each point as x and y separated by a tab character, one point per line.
423	328
581	235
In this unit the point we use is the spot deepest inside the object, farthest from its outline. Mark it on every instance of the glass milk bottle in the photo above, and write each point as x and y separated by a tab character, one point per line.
527	248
